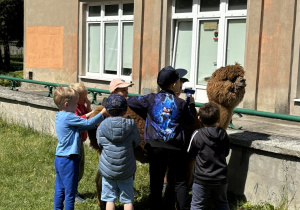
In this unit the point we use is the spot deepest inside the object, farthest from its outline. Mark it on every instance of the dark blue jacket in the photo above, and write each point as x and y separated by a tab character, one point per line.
164	113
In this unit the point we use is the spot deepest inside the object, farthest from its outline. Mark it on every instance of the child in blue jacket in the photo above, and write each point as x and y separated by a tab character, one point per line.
68	127
117	136
165	113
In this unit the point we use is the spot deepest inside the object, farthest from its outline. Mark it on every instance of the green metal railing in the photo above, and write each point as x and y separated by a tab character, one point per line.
51	86
95	92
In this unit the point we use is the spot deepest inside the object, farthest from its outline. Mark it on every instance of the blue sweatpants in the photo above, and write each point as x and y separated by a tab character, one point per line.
66	182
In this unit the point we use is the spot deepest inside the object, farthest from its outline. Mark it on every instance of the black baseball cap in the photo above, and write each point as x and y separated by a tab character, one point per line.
169	75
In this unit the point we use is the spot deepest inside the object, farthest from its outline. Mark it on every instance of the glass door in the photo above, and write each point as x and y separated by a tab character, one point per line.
207	50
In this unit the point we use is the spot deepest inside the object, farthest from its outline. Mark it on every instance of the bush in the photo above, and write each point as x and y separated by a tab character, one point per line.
16	66
17	58
6	83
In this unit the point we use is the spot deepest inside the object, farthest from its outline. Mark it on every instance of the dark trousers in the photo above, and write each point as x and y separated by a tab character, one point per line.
217	192
161	159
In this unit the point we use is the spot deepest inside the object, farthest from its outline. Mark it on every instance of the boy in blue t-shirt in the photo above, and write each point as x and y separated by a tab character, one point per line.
165	113
68	127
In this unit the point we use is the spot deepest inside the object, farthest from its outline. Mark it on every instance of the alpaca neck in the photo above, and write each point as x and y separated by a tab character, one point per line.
225	116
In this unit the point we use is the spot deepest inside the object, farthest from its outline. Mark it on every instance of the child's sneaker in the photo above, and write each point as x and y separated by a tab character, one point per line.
79	198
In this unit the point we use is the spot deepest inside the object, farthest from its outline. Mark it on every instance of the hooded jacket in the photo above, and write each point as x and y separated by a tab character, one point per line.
210	146
164	114
118	136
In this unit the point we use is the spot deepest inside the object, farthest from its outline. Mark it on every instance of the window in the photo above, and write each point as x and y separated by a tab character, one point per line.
207	34
109	40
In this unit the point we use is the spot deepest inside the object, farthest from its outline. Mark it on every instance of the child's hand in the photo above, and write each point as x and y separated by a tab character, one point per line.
192	99
104	112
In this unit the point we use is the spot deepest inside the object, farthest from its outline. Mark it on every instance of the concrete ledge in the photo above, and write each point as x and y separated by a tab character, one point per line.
264	161
27	98
267	134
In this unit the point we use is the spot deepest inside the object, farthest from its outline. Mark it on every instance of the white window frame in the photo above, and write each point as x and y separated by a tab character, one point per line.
223	15
102	20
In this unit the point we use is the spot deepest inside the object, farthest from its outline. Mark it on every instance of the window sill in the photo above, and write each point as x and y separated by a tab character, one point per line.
95	78
108	79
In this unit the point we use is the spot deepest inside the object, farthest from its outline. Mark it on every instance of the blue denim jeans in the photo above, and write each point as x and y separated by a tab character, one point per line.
200	194
66	182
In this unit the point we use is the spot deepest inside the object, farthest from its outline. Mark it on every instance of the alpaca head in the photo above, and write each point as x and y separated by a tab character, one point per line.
227	86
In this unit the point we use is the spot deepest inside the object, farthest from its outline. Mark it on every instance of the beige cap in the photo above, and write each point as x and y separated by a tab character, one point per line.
118	83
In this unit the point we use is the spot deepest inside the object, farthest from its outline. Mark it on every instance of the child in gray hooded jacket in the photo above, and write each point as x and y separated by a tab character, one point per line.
117	136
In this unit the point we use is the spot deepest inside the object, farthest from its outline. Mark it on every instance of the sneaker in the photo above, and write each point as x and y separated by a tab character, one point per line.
79	198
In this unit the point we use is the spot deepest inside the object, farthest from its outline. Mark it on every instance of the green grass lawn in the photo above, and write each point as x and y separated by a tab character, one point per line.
27	174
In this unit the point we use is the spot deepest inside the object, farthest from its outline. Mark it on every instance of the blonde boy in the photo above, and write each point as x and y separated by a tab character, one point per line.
67	127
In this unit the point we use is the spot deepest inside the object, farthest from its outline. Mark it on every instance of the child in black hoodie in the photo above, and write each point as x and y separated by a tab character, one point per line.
210	146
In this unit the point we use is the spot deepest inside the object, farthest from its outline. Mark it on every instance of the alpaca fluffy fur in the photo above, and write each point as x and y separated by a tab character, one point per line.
226	88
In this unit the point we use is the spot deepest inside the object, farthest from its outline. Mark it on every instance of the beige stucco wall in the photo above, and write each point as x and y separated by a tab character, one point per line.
269	56
295	77
51	28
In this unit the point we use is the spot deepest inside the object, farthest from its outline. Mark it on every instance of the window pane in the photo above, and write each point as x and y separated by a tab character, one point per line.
128	9
236	36
237	4
94	11
182	6
209	5
111	48
208	50
94	48
183	50
127	48
111	10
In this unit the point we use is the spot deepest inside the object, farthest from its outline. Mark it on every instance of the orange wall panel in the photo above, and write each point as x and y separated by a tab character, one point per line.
44	47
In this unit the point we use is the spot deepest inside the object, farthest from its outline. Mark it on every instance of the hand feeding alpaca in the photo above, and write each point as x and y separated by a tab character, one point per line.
226	88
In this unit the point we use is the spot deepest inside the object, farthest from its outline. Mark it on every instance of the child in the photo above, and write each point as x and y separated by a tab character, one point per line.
210	146
165	113
119	86
117	136
82	111
67	127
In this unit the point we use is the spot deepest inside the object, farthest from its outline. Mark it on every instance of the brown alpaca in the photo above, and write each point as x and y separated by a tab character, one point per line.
226	88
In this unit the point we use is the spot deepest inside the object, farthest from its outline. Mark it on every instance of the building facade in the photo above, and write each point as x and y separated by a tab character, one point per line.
94	41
